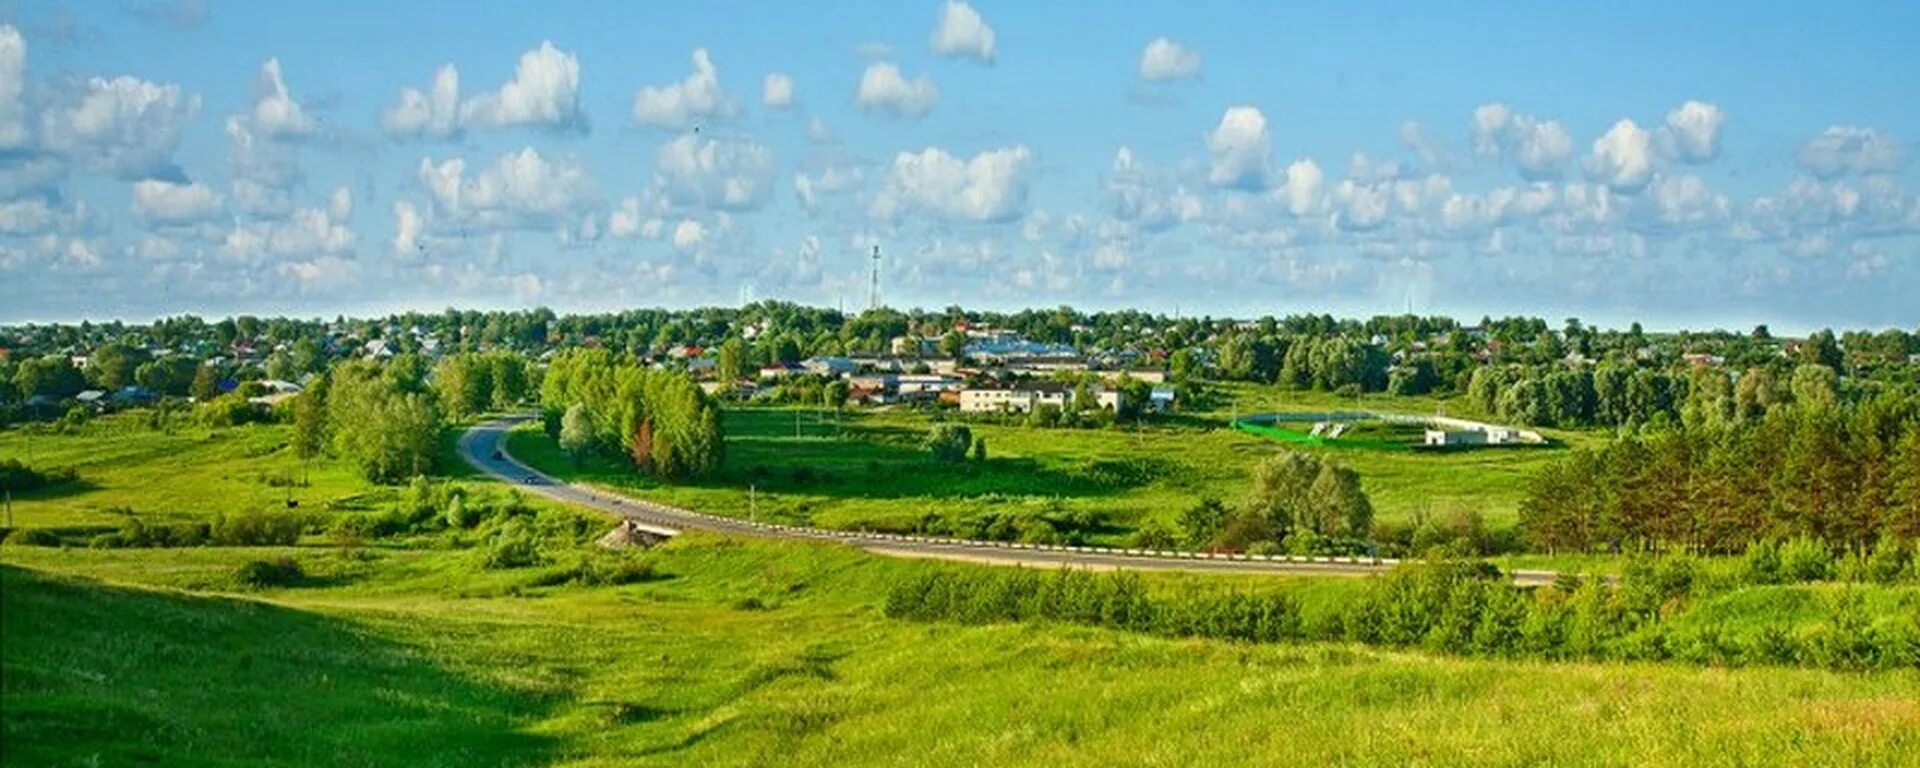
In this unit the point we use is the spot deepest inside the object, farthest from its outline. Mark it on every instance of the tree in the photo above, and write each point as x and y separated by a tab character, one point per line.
206	384
730	363
1202	522
310	420
53	376
949	442
576	433
1815	386
953	344
111	366
171	375
1337	505
1822	349
1281	486
387	431
979	450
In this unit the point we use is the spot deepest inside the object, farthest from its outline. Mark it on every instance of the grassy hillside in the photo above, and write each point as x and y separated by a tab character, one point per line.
750	653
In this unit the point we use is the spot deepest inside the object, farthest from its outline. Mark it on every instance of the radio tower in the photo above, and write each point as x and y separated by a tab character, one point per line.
873	289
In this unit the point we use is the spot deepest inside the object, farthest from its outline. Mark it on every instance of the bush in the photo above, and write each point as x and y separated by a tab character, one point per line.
278	572
1888	562
38	537
949	442
1806	559
599	568
16	476
512	545
257	529
1761	563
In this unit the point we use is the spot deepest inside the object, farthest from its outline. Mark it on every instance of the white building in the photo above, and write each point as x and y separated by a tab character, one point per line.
1022	398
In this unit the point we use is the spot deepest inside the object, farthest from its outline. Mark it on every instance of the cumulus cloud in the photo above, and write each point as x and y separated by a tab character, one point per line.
884	90
275	113
777	91
1622	158
813	188
1303	186
1851	149
1151	200
308	233
432	114
124	126
13	74
715	173
1540	148
164	203
959	31
681	105
990	186
521	191
1241	149
408	227
544	92
1692	132
1165	60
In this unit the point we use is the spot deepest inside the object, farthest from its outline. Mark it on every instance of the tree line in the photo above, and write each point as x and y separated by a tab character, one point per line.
1846	475
593	401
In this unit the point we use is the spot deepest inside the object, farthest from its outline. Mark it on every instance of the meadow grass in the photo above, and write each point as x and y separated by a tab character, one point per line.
755	653
867	469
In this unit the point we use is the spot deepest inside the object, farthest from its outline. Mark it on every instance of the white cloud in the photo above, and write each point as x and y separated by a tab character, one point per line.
960	31
713	173
883	89
832	180
1686	201
125	126
434	115
308	232
340	204
165	203
1692	132
1540	148
991	186
689	234
38	216
544	91
1850	149
521	191
1241	148
407	228
1165	60
1303	186
683	104
777	91
275	113
1149	199
1622	158
818	132
13	75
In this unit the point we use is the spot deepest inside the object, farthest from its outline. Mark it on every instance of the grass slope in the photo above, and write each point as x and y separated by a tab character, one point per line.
753	653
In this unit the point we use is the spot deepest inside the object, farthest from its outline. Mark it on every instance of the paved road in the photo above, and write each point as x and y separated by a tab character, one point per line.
483	447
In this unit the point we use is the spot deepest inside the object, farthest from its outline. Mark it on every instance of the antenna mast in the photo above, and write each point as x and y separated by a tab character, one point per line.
873	290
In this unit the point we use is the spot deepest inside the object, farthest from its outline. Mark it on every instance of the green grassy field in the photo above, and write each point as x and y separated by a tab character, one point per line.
751	653
869	470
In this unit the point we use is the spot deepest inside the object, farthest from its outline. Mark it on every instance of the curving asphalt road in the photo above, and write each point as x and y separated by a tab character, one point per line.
483	446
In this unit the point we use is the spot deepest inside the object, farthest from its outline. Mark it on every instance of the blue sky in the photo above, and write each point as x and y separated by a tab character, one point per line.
1680	164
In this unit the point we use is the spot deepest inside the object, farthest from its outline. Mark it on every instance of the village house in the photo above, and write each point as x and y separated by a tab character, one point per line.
1024	397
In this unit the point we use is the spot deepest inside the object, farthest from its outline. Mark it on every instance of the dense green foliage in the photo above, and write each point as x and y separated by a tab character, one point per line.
1453	607
658	419
16	476
949	442
382	419
1842	475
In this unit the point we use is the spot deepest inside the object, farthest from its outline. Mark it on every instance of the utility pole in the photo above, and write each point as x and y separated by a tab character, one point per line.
873	289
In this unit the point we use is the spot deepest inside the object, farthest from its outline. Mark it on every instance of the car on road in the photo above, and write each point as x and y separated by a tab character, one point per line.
530	480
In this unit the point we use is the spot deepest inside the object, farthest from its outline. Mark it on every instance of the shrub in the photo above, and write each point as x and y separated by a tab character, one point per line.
257	529
38	537
949	442
1888	561
278	572
107	541
1151	535
1761	563
1806	559
513	545
599	568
